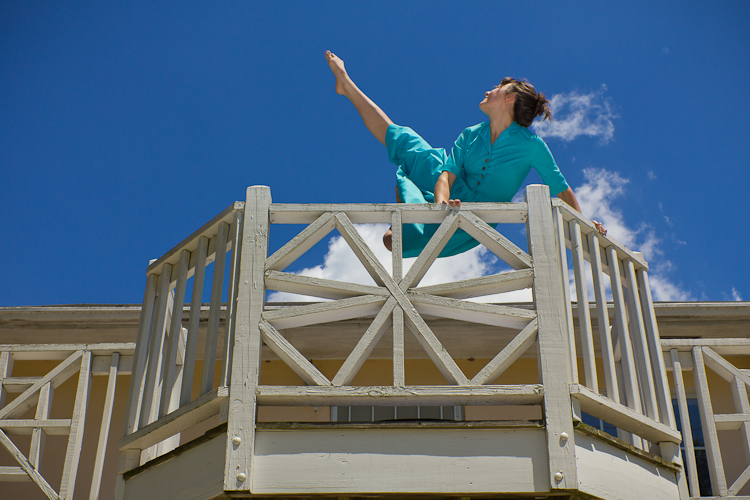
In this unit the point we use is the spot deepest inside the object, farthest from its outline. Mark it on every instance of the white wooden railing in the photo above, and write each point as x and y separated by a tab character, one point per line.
731	460
163	402
36	392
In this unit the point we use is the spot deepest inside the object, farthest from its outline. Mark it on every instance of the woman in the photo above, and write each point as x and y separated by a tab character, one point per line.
488	162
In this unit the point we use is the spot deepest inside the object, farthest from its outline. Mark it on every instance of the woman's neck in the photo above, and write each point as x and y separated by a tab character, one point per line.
498	125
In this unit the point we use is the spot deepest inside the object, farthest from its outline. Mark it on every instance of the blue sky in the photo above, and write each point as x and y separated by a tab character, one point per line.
125	126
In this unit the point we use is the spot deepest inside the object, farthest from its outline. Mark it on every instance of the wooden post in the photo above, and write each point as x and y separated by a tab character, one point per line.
552	338
77	425
6	368
234	267
560	229
101	449
247	342
687	431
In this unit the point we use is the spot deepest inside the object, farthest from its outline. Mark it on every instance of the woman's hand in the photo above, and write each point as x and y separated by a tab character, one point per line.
600	227
452	203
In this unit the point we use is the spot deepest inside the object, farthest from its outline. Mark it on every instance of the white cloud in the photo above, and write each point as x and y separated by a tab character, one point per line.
651	175
577	114
736	295
596	197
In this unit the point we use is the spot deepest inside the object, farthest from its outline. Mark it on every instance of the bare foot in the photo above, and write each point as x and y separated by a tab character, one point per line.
337	66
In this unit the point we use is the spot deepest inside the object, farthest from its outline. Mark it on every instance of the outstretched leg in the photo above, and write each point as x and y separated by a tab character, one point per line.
375	119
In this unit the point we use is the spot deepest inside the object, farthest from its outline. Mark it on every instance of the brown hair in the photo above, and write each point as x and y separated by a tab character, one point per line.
529	103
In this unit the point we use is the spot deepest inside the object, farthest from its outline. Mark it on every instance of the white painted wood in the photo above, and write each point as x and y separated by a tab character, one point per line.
140	358
687	431
150	404
30	396
413	395
482	285
100	365
722	367
742	405
235	237
199	258
397	246
36	450
26	426
126	461
474	312
507	356
713	453
584	320
13	475
365	345
400	462
726	346
560	231
629	374
14	385
195	412
212	330
431	251
318	287
399	376
304	241
428	213
602	319
495	242
101	447
324	312
739	482
291	356
432	346
247	340
621	416
196	474
671	453
59	352
730	421
6	369
365	255
605	471
588	227
169	362
27	467
77	425
553	338
208	230
663	393
640	343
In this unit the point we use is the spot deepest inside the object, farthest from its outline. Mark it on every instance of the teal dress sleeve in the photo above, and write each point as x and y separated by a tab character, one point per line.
543	162
455	162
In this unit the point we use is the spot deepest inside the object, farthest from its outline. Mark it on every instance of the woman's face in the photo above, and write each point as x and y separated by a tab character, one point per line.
497	100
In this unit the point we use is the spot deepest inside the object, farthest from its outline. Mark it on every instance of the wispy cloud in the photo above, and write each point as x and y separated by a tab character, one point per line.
736	295
577	115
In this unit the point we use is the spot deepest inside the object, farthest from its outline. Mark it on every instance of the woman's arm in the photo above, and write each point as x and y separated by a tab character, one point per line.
443	189
570	198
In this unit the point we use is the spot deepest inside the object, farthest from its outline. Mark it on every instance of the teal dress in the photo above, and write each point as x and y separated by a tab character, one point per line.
485	172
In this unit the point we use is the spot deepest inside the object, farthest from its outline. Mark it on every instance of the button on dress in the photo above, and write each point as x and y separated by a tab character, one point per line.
485	172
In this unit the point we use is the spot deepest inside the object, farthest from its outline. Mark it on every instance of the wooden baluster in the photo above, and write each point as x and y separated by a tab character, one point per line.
6	368
242	407
711	438
77	425
640	343
198	260
140	358
173	338
101	448
398	313
602	318
231	316
212	333
156	343
553	337
560	230
584	319
630	381
37	435
687	431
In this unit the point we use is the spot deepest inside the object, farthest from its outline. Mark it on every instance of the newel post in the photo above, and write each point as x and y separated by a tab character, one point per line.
554	359
246	354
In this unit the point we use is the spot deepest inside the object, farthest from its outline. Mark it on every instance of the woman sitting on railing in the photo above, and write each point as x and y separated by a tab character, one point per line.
488	163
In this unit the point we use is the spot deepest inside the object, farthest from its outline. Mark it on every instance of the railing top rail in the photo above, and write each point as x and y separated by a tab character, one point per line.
62	351
570	214
369	213
735	346
209	229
